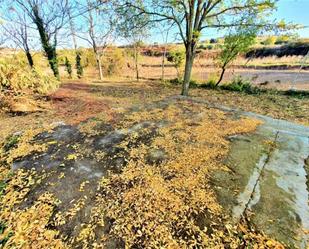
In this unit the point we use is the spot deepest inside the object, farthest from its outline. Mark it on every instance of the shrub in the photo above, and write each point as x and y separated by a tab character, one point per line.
176	57
211	84
11	142
68	67
177	81
284	39
202	46
239	84
79	66
269	40
113	62
18	77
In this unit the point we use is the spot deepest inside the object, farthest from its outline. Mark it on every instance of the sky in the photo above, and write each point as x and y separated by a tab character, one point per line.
294	11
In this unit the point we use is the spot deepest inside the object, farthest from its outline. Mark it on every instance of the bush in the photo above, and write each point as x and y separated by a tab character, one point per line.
177	81
176	57
18	77
202	46
211	84
78	65
113	62
238	84
269	41
68	67
282	40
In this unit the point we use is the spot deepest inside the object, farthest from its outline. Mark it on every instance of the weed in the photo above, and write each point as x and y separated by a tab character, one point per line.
297	94
2	188
177	81
3	237
11	142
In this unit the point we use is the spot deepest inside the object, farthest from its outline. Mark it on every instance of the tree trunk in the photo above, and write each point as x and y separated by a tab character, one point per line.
136	64
188	69
221	76
52	59
49	49
29	58
163	64
99	67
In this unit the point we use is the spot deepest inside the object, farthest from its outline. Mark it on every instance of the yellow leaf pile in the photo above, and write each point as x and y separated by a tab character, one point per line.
157	206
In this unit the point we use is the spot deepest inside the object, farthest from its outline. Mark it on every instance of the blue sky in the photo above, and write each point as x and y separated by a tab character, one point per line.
296	11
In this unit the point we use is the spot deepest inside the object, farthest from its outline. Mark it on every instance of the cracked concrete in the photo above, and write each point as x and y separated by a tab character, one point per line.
276	191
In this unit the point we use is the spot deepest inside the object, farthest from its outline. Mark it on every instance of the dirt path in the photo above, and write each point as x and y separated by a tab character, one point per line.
78	100
75	102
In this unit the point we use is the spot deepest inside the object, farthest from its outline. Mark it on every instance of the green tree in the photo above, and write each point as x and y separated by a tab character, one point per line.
176	57
193	17
68	67
79	66
236	43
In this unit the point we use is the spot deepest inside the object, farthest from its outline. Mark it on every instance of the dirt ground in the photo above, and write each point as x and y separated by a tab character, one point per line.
76	174
79	100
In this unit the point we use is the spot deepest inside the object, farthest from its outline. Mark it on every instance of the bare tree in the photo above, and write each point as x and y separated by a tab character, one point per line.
192	17
99	31
165	32
17	28
48	17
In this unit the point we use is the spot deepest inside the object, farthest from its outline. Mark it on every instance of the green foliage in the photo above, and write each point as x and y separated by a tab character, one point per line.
211	84
2	188
239	84
16	76
213	41
283	39
177	81
299	94
269	41
176	57
68	67
235	44
79	66
3	239
11	142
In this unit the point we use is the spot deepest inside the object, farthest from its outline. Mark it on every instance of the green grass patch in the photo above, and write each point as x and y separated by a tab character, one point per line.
11	142
238	84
